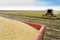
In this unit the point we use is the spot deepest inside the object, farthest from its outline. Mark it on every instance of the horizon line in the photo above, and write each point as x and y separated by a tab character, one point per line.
29	7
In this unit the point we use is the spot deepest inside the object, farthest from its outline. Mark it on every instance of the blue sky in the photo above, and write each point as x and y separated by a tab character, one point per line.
48	3
29	4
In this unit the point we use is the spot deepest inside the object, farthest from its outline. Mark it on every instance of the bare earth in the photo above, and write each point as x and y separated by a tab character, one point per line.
53	26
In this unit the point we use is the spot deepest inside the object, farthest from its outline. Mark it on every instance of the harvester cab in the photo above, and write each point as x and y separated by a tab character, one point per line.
49	12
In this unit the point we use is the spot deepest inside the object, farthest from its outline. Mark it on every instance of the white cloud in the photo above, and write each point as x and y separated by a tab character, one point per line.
41	3
25	5
17	2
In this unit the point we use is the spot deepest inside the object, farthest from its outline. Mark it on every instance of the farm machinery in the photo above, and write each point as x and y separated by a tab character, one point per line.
50	15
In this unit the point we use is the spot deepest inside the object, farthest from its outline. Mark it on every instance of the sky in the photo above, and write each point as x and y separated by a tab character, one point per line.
17	2
32	4
48	3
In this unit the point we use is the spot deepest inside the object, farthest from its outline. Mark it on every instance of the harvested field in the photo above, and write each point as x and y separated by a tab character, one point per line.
53	26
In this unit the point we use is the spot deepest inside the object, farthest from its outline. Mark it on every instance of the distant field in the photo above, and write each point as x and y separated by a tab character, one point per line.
27	13
53	26
58	14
